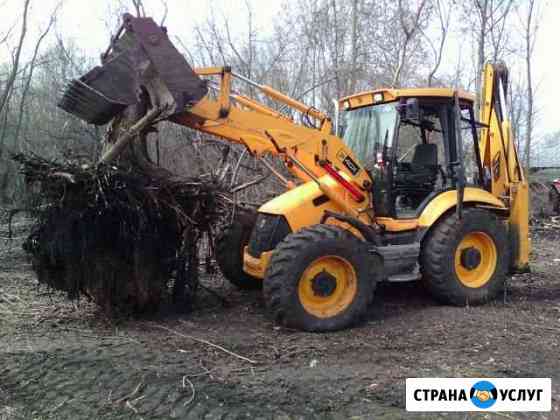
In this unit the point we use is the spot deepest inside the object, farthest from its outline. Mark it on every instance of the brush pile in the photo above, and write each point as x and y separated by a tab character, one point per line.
545	200
119	236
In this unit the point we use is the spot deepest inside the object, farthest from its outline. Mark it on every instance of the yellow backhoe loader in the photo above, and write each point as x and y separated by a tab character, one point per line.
410	185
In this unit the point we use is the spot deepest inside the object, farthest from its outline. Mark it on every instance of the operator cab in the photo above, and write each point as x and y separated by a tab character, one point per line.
408	144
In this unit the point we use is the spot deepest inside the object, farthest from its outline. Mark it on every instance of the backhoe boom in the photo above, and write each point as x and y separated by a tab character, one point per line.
498	155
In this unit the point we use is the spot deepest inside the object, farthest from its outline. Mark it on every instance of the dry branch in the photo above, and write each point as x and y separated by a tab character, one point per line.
125	139
208	343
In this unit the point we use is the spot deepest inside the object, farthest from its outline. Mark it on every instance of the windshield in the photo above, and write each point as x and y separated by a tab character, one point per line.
369	130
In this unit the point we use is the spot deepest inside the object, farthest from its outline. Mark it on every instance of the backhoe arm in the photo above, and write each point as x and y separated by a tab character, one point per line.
500	160
498	152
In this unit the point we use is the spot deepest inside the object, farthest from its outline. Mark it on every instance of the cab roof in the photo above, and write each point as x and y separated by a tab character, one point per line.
387	95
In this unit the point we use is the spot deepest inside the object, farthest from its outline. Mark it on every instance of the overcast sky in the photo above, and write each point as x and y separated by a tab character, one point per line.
86	22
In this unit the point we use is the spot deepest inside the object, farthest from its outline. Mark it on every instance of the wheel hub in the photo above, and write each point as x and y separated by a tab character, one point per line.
470	258
323	284
327	286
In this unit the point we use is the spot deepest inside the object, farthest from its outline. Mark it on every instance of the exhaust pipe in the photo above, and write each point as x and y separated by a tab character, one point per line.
141	58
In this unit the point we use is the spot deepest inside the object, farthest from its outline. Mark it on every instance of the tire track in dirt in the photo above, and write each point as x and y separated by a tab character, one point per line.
98	383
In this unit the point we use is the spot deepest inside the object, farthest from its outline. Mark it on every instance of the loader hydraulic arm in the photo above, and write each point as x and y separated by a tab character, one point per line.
310	153
143	66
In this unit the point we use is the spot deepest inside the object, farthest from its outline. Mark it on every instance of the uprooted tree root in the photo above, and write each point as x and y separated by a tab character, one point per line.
119	236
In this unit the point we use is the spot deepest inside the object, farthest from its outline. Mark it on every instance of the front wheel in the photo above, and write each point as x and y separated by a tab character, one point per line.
464	261
230	244
321	278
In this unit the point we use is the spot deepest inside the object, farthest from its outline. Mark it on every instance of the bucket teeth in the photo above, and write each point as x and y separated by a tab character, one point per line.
89	104
103	92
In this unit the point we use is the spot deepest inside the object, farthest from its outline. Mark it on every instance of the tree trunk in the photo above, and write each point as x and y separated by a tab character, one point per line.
481	52
12	77
528	57
353	74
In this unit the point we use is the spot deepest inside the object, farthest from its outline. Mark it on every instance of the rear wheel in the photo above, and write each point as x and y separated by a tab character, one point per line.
230	244
465	261
321	278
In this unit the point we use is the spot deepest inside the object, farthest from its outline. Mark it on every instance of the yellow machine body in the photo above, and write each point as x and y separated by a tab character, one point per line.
297	207
265	131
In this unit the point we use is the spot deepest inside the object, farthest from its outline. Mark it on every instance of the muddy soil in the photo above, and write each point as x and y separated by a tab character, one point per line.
62	360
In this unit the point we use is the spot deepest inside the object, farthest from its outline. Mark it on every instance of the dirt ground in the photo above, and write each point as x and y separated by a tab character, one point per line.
59	360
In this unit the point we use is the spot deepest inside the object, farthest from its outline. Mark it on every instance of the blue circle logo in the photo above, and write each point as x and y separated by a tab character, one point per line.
483	394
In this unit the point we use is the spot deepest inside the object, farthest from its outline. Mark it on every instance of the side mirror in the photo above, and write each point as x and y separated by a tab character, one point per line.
409	109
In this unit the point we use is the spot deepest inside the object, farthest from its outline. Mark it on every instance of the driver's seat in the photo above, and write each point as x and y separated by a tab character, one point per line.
417	179
425	156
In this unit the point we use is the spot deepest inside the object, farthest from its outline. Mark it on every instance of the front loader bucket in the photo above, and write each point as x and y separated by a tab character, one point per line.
143	59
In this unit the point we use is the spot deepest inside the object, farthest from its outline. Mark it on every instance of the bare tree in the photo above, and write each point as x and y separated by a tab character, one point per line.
530	35
6	94
489	26
31	69
354	46
517	107
7	91
139	8
410	24
443	11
